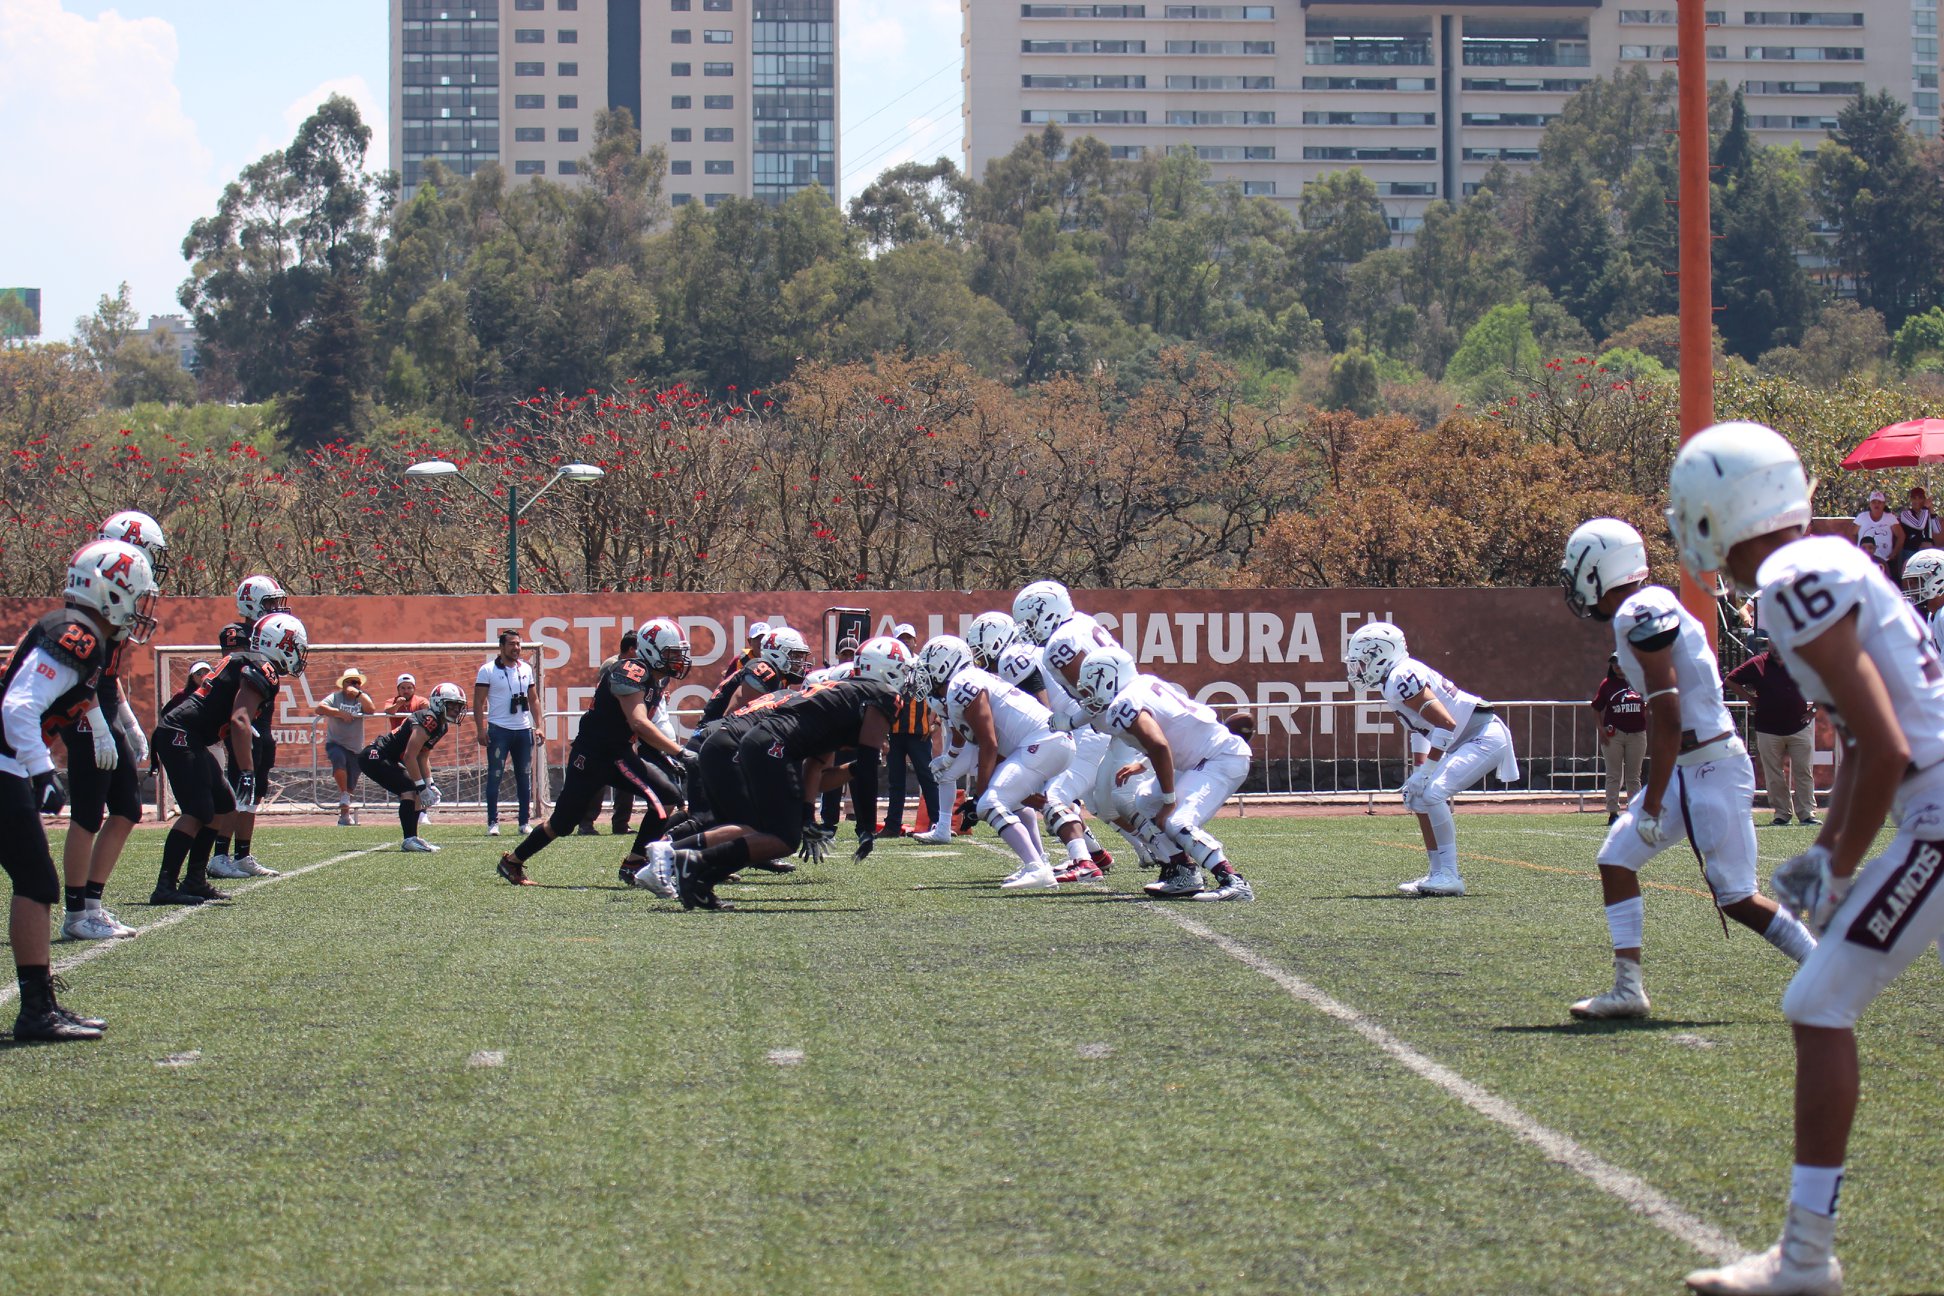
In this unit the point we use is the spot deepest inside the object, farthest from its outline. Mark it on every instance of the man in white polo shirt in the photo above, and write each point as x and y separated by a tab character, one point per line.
503	704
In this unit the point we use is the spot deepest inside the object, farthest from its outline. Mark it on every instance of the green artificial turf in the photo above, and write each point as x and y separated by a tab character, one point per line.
891	1077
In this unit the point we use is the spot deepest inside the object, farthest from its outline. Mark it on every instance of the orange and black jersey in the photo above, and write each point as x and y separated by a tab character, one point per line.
813	719
427	720
205	714
69	640
759	675
235	637
604	731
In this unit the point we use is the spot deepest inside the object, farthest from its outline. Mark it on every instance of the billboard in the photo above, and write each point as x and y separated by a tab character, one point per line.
19	306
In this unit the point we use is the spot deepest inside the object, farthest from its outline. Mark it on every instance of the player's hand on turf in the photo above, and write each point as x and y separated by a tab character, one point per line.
1653	828
968	814
49	799
1804	884
816	844
865	842
246	790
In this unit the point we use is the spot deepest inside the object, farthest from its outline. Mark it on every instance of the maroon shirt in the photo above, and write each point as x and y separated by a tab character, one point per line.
1780	708
1619	706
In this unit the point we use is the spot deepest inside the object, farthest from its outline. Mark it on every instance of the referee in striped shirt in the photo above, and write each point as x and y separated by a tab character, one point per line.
910	743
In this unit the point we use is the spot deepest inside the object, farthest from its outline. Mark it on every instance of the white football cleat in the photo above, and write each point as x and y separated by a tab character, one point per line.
1033	877
939	834
121	928
87	926
251	868
1411	888
222	866
1236	888
1802	1263
418	846
1627	998
658	874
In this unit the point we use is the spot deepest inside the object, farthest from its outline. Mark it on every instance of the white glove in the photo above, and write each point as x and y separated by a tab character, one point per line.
1063	723
105	755
941	766
430	797
131	730
1653	829
1804	885
1414	786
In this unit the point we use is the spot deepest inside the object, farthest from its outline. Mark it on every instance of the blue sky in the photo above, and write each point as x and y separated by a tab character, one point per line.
125	119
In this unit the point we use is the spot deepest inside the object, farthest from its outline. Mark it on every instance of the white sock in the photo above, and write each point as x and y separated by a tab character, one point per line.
1077	850
1015	835
1625	922
1088	839
1815	1188
1786	933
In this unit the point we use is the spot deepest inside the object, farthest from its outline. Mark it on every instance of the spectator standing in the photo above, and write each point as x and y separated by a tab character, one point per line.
1785	730
1623	736
344	712
1877	524
405	703
910	743
503	724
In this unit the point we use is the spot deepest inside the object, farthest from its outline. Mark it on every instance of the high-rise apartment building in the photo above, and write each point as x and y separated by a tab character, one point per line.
1424	98
742	93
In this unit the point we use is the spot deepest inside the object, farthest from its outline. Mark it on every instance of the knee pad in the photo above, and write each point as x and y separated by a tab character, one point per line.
1059	815
996	815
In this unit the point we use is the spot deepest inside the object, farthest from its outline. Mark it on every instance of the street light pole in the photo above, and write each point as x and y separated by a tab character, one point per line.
578	473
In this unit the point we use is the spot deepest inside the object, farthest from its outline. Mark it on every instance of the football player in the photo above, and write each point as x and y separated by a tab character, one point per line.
241	687
1046	618
1700	784
256	597
1017	751
53	677
1923	584
990	634
1193	764
401	761
782	661
1466	742
762	769
608	750
106	749
1739	505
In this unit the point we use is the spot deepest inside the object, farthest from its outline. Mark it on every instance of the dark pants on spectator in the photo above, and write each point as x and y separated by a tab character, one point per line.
915	750
833	800
500	744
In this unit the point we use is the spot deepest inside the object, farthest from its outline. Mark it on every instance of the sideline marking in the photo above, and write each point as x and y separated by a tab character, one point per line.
97	948
1629	1189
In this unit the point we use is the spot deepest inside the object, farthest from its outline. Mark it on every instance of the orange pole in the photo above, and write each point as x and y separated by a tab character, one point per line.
1697	255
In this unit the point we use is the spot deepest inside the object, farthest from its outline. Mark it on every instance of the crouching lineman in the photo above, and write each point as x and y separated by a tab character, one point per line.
1018	752
1701	785
1046	617
762	769
223	709
1193	765
1739	504
605	754
53	677
401	761
1466	742
106	749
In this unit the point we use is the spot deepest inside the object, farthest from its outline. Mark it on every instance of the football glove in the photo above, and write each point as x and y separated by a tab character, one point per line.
1414	786
1063	723
865	842
1804	884
49	799
105	755
816	844
246	790
968	814
137	744
429	796
1653	829
941	766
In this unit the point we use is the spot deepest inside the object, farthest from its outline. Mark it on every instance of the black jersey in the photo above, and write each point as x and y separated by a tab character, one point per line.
430	721
235	637
604	731
205	714
70	640
813	719
759	675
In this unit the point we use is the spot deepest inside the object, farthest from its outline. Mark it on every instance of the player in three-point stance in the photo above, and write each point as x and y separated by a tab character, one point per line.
1189	765
1701	786
1739	504
401	761
256	598
1046	618
618	726
106	751
53	677
1017	752
782	660
1466	742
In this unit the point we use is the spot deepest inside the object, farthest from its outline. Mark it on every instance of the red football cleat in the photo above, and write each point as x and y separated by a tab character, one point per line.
1078	871
1103	859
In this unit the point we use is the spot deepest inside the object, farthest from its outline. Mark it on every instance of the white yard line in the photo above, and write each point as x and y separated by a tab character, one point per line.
95	949
1629	1189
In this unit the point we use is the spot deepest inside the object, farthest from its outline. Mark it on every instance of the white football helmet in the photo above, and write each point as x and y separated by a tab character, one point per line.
1730	483
114	581
990	634
139	529
1602	555
258	596
1373	650
448	699
281	639
1042	608
1105	674
662	646
885	660
787	651
1923	576
940	659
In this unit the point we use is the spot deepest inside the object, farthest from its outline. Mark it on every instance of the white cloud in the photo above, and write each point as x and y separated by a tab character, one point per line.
106	168
372	107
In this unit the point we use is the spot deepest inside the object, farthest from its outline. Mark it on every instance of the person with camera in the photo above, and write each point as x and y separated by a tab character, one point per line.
503	725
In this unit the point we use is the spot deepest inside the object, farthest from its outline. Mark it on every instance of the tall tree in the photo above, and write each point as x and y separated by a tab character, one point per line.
1885	207
1574	252
1763	297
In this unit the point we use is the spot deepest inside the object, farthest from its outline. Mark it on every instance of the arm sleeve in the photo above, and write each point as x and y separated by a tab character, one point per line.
125	718
40	680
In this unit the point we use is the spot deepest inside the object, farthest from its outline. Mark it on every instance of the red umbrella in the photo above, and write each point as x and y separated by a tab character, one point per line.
1901	445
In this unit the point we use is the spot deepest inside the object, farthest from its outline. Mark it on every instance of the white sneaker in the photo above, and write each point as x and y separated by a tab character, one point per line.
86	926
121	928
1236	888
1802	1263
492	830
658	874
1033	877
251	868
222	866
939	834
524	830
1627	998
345	818
418	845
1177	884
1433	884
1411	888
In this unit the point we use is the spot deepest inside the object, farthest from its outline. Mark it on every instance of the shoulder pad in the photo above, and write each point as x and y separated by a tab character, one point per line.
629	676
72	642
1651	624
761	672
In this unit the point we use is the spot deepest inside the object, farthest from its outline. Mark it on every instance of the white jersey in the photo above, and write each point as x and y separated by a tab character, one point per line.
1017	720
1810	585
842	670
1076	637
1192	731
1937	630
1018	663
1411	677
1650	616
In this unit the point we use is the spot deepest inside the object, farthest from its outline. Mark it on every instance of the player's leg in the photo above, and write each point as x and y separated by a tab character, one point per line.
244	861
1622	855
1200	795
586	780
1465	765
1720	808
185	766
29	864
391	775
1020	775
195	874
87	814
114	806
763	789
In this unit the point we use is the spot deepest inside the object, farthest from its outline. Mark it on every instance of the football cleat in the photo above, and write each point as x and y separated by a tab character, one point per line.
1176	883
221	866
631	866
169	895
88	925
51	1025
658	875
1233	887
1103	859
418	846
939	834
693	894
121	928
1078	871
1450	885
1627	998
1034	877
200	887
1801	1263
251	868
513	871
